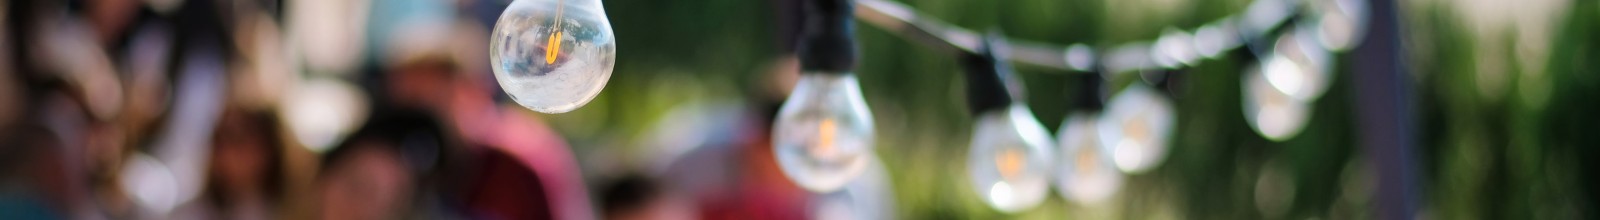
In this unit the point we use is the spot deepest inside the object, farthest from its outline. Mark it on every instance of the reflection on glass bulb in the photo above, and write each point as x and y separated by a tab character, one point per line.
1086	174
1272	113
824	134
1137	124
552	56
1010	159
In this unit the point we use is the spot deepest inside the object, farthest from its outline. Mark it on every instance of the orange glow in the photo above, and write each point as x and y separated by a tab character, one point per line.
1086	159
1136	128
825	133
1009	162
554	48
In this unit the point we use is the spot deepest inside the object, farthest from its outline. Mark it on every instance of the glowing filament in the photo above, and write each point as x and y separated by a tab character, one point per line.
1086	160
825	133
554	43
1136	129
1009	162
555	46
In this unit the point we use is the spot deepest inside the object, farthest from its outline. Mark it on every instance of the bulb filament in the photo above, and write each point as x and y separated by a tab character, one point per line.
825	132
1086	159
554	42
1009	163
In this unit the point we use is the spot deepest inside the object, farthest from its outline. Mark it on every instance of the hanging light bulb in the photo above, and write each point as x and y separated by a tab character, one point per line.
1010	157
1136	127
1298	66
1272	113
1278	91
552	56
824	134
1086	174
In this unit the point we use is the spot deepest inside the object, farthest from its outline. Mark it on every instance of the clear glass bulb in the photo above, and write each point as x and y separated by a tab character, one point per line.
824	134
1086	174
552	56
1136	127
1274	114
1010	159
1298	66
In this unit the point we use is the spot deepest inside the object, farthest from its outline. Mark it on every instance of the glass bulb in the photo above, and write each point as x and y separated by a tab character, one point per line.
1136	127
552	56
1298	66
824	134
1274	114
1086	174
1010	159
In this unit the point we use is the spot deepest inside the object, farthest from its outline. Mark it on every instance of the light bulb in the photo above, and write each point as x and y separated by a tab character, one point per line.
1274	114
552	56
1298	66
1137	124
824	134
1010	158
1086	174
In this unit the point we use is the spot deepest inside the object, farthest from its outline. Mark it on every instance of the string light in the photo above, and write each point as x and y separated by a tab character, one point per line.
1137	124
824	133
553	56
1131	135
1087	174
1011	154
1010	158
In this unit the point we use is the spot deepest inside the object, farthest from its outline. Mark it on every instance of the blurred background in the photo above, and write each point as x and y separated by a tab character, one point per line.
387	109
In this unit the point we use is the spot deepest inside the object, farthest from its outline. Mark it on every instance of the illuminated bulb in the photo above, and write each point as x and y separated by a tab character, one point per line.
1137	124
1010	159
552	56
1298	66
824	134
1087	174
1272	113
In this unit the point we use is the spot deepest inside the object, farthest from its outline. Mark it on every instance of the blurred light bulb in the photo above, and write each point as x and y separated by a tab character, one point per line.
553	56
1272	113
1010	159
1137	124
824	134
1298	66
1086	174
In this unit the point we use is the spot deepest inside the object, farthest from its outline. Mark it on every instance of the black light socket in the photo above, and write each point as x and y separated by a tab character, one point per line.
827	43
991	83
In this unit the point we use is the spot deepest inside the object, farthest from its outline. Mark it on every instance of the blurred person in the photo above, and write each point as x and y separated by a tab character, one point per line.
733	173
246	178
383	171
47	170
515	166
68	86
